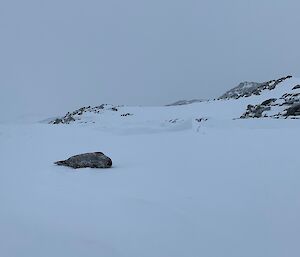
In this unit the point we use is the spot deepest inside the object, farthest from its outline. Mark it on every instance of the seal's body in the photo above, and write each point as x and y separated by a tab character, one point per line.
87	160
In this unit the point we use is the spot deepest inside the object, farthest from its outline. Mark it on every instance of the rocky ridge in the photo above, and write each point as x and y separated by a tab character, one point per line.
247	89
288	105
77	114
285	105
185	102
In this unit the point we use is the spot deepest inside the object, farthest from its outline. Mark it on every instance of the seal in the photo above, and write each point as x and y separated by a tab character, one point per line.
87	160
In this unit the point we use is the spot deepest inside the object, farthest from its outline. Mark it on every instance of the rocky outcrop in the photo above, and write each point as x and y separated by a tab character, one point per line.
255	111
185	102
77	114
126	114
294	110
288	105
247	89
268	102
296	87
87	160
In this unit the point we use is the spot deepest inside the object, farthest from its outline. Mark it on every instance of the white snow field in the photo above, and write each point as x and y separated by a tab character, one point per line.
223	187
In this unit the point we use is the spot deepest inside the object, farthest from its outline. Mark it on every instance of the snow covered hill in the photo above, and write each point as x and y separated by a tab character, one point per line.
276	99
189	180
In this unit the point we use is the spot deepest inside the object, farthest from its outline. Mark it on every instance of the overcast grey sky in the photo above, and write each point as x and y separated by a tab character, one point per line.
61	54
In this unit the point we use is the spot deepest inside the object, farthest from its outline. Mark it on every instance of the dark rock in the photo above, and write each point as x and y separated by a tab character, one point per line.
294	110
68	119
87	160
268	102
186	102
100	106
126	114
250	107
57	121
259	111
296	87
173	120
255	111
65	120
201	119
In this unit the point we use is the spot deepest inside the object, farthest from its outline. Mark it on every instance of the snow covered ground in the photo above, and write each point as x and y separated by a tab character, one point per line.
178	187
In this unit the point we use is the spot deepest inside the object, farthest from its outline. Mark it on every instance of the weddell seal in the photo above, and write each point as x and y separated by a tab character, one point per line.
87	160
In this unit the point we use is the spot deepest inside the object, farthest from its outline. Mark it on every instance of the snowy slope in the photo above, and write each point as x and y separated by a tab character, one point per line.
188	180
124	118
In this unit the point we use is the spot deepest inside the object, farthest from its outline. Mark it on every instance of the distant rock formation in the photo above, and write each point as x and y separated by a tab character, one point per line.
246	89
87	160
185	102
76	115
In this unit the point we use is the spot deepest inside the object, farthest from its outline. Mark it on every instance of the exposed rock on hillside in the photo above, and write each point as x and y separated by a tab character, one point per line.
288	105
255	111
246	89
185	102
294	110
76	115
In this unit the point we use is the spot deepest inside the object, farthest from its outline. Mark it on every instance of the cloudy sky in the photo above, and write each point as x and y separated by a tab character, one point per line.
61	54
